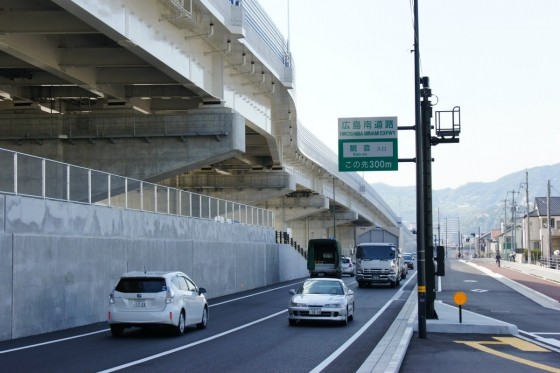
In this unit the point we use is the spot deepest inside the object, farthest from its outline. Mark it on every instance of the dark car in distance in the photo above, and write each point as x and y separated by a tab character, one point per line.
409	260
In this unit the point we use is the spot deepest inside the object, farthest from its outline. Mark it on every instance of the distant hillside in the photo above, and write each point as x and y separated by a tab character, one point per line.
478	205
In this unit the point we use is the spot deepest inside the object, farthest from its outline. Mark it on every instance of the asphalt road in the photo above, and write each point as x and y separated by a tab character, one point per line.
536	349
247	332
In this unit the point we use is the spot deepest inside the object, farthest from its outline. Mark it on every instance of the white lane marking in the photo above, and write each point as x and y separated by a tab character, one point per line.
347	344
50	342
549	343
106	330
156	356
326	362
252	295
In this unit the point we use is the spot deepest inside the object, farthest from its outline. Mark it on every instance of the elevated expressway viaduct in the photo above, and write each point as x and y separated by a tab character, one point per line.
193	94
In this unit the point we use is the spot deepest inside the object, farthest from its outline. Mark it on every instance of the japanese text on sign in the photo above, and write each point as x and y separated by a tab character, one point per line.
367	144
367	128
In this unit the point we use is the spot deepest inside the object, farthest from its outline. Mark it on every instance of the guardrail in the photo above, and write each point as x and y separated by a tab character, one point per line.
550	262
284	238
28	175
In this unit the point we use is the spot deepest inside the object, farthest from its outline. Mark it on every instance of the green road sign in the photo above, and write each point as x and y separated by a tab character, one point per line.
367	144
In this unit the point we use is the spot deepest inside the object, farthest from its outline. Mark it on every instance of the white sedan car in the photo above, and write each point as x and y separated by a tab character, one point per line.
324	299
156	298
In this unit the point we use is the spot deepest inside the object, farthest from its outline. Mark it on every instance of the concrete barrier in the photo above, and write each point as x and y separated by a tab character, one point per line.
60	260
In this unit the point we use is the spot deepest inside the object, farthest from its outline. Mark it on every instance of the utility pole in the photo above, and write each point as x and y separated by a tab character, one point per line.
528	217
426	107
478	254
334	208
459	236
548	222
420	223
513	227
424	217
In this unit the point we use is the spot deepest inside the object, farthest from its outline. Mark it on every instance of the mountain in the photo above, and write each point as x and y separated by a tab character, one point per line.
476	206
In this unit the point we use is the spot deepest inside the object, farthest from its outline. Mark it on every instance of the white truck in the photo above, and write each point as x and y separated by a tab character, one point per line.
378	263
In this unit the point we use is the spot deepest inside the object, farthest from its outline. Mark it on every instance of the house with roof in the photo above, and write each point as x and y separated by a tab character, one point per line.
510	242
542	235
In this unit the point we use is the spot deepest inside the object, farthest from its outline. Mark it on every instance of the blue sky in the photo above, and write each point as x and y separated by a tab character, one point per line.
499	60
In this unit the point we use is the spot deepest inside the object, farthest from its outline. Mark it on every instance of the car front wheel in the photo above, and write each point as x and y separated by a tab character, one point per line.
345	321
202	324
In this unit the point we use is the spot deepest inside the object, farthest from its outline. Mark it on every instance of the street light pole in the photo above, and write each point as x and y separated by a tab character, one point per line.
420	223
528	218
334	208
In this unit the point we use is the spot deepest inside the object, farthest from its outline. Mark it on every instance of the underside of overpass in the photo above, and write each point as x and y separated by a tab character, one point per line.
207	117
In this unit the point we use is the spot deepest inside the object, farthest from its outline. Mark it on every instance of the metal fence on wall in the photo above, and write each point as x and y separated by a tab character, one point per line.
27	175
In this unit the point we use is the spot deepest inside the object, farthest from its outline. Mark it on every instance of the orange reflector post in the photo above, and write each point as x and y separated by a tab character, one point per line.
460	298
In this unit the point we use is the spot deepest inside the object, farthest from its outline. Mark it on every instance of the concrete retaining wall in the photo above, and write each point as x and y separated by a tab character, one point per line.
59	261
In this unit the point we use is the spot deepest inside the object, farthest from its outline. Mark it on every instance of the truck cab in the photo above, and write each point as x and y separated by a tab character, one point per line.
378	263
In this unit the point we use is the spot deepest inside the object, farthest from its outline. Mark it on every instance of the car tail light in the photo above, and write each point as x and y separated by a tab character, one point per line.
112	297
169	296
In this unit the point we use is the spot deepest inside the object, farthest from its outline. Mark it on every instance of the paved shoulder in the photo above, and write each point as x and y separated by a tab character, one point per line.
441	352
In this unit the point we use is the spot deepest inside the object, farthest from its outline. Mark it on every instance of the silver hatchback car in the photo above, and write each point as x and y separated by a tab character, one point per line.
156	298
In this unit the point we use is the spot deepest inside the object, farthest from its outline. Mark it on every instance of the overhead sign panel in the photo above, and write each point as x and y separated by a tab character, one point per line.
367	144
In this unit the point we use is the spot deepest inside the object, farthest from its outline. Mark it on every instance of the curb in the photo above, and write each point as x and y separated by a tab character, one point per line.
389	353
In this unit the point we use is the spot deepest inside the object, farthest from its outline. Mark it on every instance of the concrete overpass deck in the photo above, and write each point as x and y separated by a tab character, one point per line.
193	94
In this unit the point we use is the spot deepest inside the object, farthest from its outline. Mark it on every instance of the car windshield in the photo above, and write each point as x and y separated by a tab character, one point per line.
141	285
375	252
407	256
321	287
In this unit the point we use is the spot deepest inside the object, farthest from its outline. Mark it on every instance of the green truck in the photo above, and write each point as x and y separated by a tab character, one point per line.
323	258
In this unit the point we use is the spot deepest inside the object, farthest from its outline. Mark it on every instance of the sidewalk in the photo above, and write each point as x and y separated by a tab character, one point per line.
530	280
530	269
533	281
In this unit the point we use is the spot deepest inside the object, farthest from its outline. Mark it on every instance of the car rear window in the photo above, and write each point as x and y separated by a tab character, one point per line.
345	260
141	285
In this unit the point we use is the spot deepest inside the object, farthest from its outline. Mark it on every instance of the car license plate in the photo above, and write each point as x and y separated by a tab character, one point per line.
139	303
320	274
375	277
314	311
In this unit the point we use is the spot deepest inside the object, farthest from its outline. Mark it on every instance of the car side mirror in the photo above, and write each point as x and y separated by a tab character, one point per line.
201	291
292	291
350	292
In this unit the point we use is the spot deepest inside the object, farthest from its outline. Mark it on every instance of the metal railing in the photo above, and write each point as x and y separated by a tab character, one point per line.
27	175
263	36
550	262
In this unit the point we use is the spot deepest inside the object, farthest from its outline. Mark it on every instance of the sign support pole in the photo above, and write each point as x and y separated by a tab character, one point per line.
420	216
